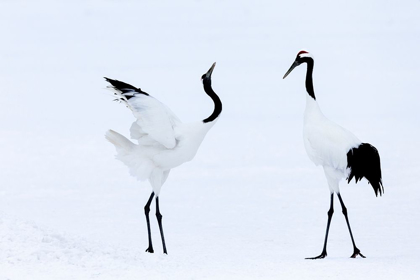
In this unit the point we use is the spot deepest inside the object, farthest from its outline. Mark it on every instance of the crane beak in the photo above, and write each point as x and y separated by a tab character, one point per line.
208	74
291	68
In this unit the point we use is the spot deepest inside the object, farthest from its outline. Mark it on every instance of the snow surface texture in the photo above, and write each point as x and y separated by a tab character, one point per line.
251	205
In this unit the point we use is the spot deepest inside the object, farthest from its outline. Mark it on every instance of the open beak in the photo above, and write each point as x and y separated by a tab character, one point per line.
291	69
208	74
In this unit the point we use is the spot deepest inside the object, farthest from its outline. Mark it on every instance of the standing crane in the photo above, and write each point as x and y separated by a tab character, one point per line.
164	142
337	150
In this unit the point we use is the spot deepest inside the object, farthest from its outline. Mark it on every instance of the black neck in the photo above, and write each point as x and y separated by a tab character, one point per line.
217	103
308	83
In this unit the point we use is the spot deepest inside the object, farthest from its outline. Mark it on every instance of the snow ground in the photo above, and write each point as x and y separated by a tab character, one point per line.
250	205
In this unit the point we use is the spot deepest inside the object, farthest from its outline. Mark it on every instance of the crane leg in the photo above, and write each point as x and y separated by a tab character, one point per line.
159	219
330	214
146	212
356	251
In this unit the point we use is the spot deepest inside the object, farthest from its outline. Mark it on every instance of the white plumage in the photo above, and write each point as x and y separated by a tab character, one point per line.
337	150
163	141
326	142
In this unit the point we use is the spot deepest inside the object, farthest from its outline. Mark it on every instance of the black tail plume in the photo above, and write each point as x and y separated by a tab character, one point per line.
125	88
364	161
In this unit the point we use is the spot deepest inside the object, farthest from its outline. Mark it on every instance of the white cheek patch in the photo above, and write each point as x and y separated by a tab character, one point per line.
305	55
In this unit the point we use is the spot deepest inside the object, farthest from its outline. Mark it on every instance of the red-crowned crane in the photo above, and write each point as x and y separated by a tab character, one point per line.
336	149
164	142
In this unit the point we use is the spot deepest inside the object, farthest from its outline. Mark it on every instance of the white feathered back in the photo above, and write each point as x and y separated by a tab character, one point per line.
326	142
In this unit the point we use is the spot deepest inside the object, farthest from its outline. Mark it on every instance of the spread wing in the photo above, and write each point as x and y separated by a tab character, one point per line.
155	122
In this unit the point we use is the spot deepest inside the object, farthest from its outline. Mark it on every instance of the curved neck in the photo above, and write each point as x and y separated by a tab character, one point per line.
217	103
308	83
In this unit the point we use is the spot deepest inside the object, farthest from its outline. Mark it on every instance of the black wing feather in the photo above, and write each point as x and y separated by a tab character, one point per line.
364	161
125	88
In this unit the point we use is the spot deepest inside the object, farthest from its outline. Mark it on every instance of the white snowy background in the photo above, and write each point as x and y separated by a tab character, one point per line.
250	205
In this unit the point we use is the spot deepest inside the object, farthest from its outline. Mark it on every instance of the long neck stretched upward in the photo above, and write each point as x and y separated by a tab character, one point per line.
217	103
308	83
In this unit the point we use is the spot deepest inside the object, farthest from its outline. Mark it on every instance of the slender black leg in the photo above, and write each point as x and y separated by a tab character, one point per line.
356	251
146	212
330	214
159	218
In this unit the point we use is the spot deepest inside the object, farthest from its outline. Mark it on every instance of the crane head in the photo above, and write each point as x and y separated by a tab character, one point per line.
208	74
298	61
